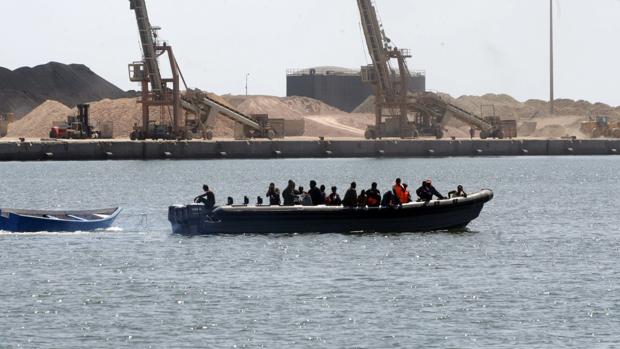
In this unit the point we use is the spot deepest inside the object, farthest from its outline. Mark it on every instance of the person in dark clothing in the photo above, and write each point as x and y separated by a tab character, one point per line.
458	193
315	194
427	191
208	198
390	199
350	198
290	194
323	195
374	196
273	194
334	199
362	200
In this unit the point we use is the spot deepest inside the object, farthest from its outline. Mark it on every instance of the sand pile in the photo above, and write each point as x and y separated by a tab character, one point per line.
38	123
533	116
123	113
23	89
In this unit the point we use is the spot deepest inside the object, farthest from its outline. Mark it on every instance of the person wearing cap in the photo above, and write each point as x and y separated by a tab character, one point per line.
426	192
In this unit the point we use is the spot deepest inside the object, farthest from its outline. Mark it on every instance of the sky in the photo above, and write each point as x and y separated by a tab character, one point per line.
468	47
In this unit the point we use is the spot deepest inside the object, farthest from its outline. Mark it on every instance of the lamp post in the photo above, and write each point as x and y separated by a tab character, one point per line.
246	83
551	66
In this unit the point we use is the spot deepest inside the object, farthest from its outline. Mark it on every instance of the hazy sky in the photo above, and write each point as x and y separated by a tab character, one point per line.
465	46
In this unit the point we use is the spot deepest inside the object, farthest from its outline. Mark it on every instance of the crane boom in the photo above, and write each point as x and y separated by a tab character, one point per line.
391	87
376	43
200	110
148	38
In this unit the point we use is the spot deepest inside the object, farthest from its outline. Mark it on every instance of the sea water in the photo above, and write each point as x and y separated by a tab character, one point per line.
539	268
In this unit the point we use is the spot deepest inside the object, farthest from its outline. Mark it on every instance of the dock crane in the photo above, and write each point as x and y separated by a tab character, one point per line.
391	87
399	112
192	113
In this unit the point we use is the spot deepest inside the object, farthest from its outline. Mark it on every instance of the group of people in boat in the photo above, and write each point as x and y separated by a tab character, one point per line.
318	195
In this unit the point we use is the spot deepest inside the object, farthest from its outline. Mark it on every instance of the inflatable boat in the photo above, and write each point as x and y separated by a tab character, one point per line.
454	213
29	221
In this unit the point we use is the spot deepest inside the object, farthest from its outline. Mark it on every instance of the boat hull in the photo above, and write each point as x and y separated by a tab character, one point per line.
29	221
415	217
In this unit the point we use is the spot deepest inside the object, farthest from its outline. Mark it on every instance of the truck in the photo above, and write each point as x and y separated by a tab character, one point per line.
76	126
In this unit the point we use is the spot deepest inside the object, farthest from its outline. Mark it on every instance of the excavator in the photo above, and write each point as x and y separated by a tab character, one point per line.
398	111
192	113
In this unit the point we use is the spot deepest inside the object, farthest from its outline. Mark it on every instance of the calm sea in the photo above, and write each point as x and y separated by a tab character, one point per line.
539	268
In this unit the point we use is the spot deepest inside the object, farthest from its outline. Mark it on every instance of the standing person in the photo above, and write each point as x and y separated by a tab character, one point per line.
350	198
315	194
334	199
290	194
208	198
399	190
374	196
273	194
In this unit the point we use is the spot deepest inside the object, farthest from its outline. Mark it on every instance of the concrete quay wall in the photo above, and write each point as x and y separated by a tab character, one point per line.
259	149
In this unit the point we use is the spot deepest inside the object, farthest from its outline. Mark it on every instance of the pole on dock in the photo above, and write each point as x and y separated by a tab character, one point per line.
551	66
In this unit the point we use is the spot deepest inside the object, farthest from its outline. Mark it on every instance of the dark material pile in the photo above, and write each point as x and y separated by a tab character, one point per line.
23	89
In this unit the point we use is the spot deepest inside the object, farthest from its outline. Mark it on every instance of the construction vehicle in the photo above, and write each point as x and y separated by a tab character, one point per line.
190	115
5	120
399	112
76	127
601	126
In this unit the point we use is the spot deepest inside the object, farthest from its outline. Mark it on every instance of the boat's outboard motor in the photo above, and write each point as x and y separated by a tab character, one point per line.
184	214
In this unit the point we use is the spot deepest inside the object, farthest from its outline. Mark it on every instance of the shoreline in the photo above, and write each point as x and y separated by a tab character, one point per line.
264	149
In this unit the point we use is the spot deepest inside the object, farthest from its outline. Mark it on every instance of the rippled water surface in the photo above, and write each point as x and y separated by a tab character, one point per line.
539	268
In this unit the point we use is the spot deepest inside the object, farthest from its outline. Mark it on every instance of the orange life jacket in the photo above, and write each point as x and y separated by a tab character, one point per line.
400	192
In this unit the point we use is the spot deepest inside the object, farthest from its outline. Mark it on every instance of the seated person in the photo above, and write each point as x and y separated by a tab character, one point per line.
390	199
208	198
374	196
315	194
458	193
406	194
362	200
350	198
290	194
427	191
273	194
334	199
304	198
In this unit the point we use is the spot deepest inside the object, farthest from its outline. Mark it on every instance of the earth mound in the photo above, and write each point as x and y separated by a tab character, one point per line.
23	89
